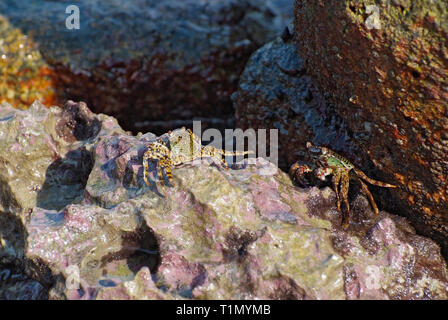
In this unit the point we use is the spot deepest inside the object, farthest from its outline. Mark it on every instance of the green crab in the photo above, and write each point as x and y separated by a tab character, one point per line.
328	162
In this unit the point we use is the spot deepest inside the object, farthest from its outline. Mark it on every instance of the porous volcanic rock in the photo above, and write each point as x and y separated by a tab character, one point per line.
242	233
149	61
388	79
275	92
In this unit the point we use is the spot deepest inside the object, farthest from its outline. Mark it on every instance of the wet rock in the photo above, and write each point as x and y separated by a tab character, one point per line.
276	92
140	288
242	233
386	69
19	287
158	60
42	165
45	159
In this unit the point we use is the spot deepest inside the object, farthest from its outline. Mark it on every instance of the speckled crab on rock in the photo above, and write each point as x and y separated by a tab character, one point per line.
328	162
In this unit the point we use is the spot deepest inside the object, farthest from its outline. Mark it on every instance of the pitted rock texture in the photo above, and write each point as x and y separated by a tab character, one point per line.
45	162
158	61
390	86
276	92
242	233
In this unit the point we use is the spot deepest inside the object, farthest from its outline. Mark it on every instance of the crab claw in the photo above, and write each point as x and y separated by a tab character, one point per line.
298	172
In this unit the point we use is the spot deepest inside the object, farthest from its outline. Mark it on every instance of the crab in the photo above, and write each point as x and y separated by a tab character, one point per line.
328	162
183	146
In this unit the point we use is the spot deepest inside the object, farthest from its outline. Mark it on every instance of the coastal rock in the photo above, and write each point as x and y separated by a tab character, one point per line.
25	75
276	92
385	64
242	233
158	60
44	164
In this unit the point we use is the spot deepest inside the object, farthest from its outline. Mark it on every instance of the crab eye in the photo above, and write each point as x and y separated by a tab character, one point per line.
308	144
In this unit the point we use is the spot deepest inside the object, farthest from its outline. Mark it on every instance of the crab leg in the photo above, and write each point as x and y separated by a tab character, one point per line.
160	172
344	194
336	180
193	136
224	163
145	169
166	164
297	172
362	175
292	171
225	153
369	195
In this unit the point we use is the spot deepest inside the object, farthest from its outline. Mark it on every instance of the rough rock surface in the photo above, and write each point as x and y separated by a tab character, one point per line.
244	233
276	92
45	162
158	60
390	85
284	8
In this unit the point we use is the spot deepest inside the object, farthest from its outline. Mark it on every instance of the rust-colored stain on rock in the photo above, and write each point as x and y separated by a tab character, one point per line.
24	75
399	75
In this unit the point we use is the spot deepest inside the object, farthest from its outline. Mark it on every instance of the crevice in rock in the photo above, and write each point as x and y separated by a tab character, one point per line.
145	249
415	74
77	122
15	284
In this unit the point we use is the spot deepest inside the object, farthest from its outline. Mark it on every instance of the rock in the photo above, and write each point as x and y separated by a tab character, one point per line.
242	233
158	61
387	79
25	76
17	287
276	92
44	163
284	8
142	287
45	159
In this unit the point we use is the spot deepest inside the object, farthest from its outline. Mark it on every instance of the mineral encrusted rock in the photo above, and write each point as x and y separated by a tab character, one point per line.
388	80
244	233
158	60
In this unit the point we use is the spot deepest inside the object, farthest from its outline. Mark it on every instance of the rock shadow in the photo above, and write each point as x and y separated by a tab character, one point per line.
20	278
65	180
